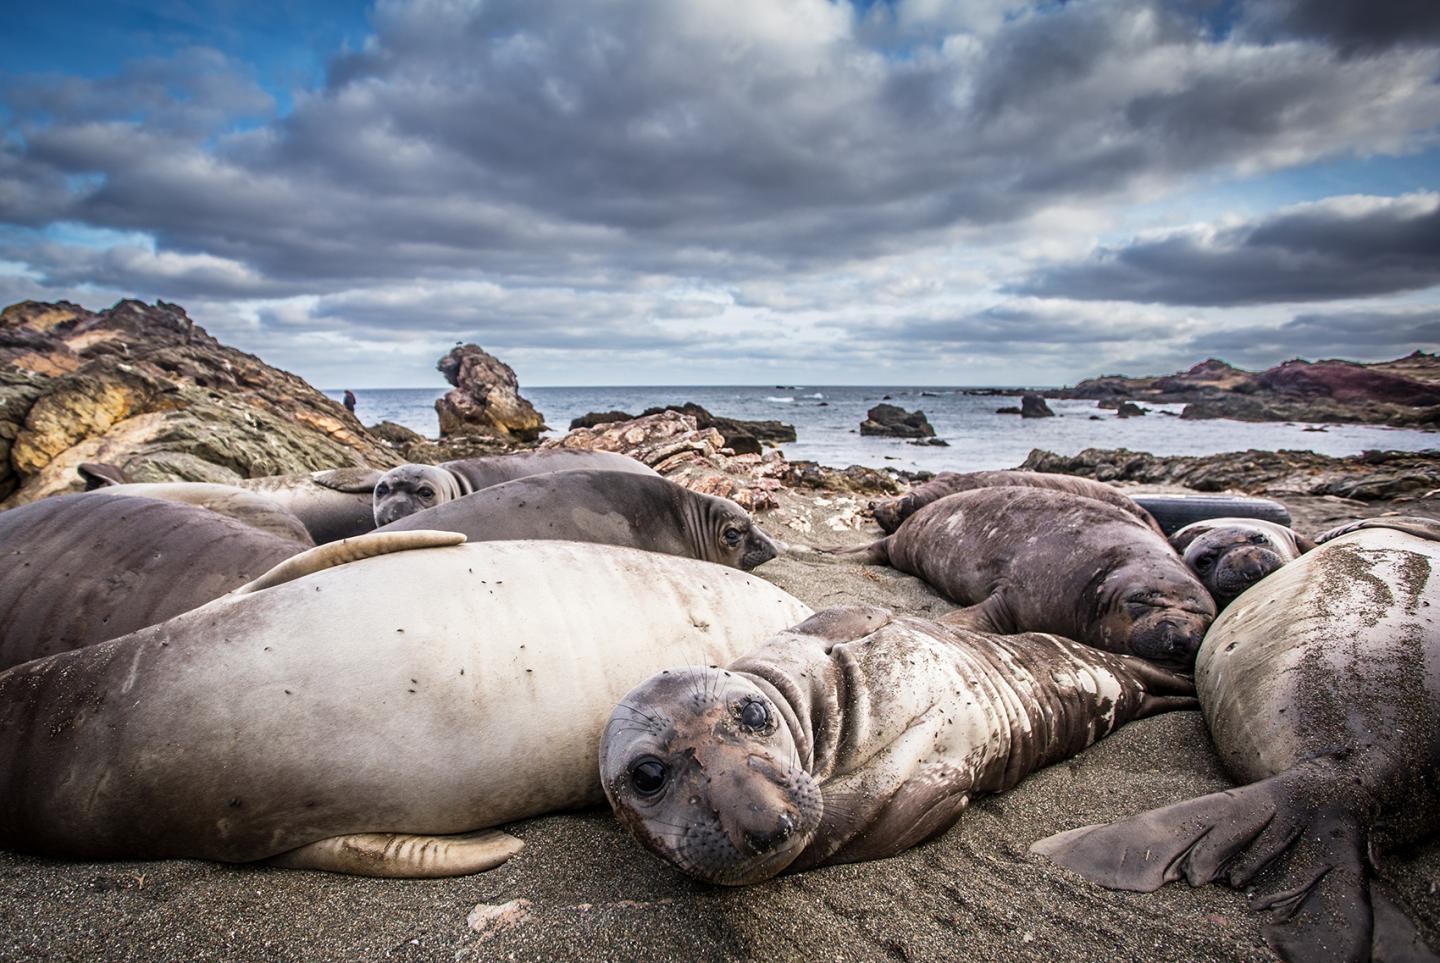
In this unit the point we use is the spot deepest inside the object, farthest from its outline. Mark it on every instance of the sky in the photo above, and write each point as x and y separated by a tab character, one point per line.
735	191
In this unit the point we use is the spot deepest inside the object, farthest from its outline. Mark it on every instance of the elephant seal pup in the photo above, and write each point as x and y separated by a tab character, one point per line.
409	489
1321	689
389	685
251	508
854	736
890	513
614	508
330	504
1032	560
80	569
1231	554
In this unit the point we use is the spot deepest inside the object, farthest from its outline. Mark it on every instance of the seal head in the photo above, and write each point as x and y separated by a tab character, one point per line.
725	533
408	489
707	775
1229	555
1146	613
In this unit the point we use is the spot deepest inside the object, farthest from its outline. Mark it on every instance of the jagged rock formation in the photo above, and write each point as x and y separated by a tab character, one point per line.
486	398
895	422
1371	476
1404	392
1034	406
742	437
145	388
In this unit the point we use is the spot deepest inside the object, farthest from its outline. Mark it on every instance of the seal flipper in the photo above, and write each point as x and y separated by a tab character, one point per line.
403	855
876	553
987	616
844	623
1289	833
348	550
351	481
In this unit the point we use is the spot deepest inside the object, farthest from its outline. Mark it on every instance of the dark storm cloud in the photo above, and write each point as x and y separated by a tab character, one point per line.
1329	250
1022	327
1352	26
516	139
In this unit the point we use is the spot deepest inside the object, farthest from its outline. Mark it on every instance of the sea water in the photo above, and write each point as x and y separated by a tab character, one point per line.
827	421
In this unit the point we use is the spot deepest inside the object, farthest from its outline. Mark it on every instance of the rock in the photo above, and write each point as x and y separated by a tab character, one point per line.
895	422
1371	476
1129	409
857	478
664	441
935	442
1034	406
593	418
1008	410
486	398
144	388
492	919
741	437
396	436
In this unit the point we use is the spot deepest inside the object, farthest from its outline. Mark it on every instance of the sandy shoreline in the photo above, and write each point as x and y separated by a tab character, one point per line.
594	894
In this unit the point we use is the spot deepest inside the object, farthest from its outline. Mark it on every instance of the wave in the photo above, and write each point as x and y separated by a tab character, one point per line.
783	401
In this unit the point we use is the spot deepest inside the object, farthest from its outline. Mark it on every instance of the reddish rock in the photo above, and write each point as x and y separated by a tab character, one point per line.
486	398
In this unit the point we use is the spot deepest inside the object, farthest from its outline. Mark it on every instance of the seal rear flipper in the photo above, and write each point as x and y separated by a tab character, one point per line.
348	550
403	855
1306	856
844	623
876	553
351	481
97	474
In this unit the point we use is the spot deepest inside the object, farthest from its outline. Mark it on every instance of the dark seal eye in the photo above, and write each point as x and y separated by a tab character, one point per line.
731	536
755	716
1204	562
648	776
382	489
426	492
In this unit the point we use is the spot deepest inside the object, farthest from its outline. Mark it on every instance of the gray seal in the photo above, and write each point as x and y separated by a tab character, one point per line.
854	736
891	512
1321	690
613	508
408	489
80	569
1231	554
359	698
1034	560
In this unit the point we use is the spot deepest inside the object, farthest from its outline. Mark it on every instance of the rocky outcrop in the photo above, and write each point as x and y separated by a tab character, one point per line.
895	422
486	398
144	388
1371	476
741	437
1034	406
1129	409
1404	392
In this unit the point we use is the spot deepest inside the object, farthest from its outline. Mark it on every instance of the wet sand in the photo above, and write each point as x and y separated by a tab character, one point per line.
591	893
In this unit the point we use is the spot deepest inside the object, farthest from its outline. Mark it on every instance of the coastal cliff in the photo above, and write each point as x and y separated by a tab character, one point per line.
145	388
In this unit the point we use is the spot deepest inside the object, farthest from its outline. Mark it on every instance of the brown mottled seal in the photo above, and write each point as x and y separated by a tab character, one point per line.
854	736
409	489
1033	560
614	508
1231	554
387	685
1321	689
891	512
79	569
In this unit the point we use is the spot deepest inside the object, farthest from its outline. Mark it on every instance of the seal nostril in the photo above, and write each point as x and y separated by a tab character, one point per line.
761	842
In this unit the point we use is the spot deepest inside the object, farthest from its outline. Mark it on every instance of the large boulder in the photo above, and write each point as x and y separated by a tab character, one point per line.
144	388
485	399
895	422
1034	406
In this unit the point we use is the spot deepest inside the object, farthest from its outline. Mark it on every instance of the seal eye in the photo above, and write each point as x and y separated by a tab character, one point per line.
1204	562
731	536
426	492
648	776
755	716
382	489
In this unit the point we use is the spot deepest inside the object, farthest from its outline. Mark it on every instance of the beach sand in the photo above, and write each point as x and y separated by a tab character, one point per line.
589	892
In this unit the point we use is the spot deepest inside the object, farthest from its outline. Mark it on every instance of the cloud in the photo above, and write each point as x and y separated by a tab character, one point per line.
1363	334
1353	26
1338	248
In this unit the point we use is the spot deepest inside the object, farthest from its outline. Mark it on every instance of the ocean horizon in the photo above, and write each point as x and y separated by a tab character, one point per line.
827	420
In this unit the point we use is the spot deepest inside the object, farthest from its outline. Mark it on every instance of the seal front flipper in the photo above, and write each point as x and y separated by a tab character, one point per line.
1291	835
990	615
403	855
352	481
845	622
348	550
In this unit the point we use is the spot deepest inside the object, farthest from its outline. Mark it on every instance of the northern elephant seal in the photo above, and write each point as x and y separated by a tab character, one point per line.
1321	689
1229	555
252	508
331	504
1032	560
613	508
408	489
325	712
891	512
79	569
854	736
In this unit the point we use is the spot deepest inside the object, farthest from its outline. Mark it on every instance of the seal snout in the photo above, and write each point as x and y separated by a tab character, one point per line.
759	549
1170	637
762	841
1241	568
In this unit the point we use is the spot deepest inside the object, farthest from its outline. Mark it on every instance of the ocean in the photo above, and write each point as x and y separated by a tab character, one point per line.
827	419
